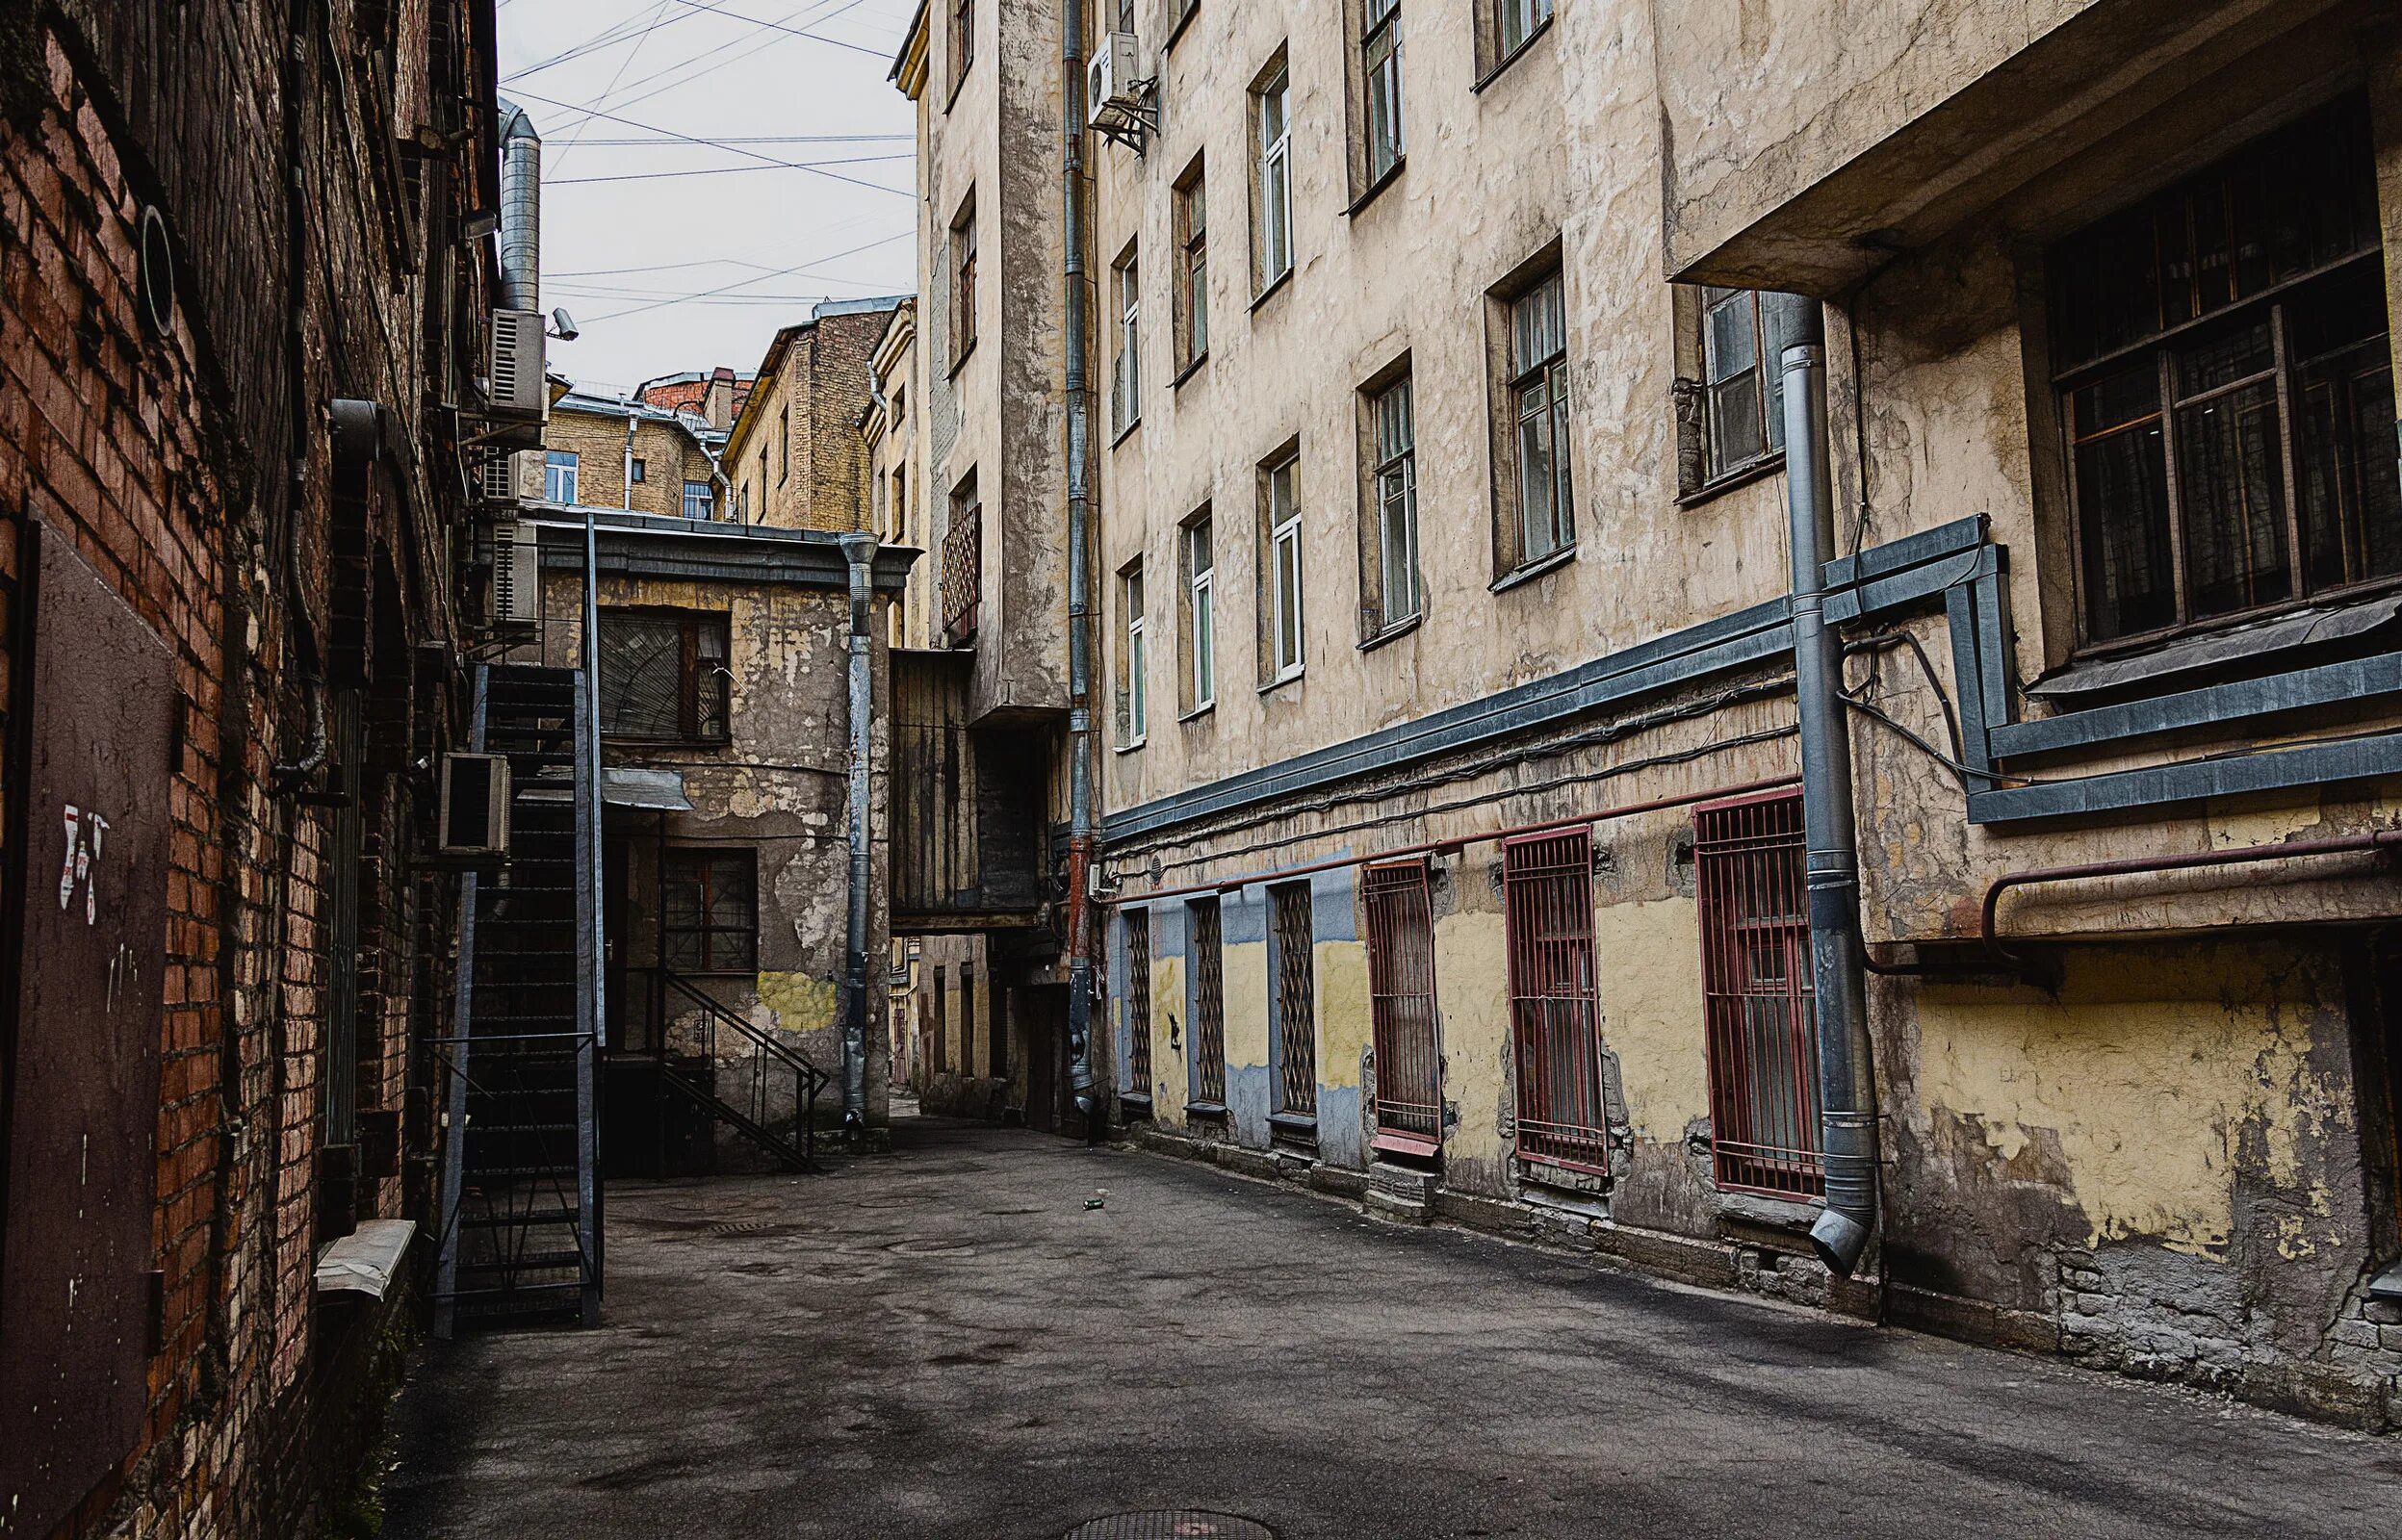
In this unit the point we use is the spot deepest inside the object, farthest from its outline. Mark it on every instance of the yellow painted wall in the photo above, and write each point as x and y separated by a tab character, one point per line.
2147	1070
1649	960
1168	1046
1472	993
1343	1021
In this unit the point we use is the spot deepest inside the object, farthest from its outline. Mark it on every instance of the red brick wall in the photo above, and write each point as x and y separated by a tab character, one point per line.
169	461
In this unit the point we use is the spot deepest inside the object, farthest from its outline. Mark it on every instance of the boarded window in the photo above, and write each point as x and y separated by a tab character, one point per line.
1296	999
1401	1008
1554	1014
1755	959
1209	1003
664	675
2225	391
708	910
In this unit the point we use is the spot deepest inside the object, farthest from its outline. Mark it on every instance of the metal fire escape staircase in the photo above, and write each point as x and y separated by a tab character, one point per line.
520	1194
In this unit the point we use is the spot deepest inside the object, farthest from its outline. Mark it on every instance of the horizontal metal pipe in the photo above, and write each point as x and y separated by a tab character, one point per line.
1426	847
1988	931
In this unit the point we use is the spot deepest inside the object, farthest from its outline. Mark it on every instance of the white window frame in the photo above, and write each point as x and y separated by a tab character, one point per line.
1274	174
1137	684
561	472
1396	490
1288	646
1539	400
1201	561
1126	374
1519	20
708	500
1379	61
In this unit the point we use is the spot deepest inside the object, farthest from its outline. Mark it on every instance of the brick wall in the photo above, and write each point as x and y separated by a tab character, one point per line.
170	461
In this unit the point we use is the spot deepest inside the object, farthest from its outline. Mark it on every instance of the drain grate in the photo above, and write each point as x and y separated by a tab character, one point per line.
751	1227
1170	1524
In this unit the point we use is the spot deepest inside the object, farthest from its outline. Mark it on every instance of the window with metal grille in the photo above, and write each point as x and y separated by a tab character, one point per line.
1547	883
1296	999
1138	931
664	675
2226	390
708	910
1202	920
1755	965
1401	1008
963	564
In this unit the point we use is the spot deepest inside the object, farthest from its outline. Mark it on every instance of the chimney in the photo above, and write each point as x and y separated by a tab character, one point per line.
719	405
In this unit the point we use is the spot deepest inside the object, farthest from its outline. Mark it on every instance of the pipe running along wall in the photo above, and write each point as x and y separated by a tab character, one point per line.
521	210
1831	875
860	548
1079	587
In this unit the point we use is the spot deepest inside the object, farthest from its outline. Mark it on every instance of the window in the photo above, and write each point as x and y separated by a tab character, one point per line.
2224	390
967	1018
1548	893
639	470
1280	597
1296	999
962	563
942	1018
1756	995
743	505
1192	277
901	525
1744	334
1208	1005
963	40
1394	478
697	501
708	910
1138	1061
1379	61
1201	614
1273	183
1133	662
664	675
1519	20
559	476
1542	521
1126	376
1401	1008
963	282
783	445
763	483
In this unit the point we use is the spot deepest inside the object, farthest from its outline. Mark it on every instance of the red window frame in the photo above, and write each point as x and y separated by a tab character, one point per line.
1138	932
1555	1007
1748	858
1401	1012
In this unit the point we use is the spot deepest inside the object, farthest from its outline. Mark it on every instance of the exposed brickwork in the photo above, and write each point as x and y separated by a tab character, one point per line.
804	417
162	457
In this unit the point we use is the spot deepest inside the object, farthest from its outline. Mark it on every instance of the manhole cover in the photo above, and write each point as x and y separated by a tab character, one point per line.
1170	1524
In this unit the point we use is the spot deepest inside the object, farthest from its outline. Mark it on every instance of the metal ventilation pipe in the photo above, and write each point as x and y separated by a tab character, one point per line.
521	210
1079	586
860	548
1847	1095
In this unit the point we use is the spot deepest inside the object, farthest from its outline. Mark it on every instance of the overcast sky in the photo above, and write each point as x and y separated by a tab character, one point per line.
673	255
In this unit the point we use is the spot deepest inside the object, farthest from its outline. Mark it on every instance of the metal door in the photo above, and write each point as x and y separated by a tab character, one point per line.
88	943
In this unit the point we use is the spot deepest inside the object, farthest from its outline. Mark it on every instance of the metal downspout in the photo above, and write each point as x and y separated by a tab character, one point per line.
860	548
595	945
1079	589
1846	1101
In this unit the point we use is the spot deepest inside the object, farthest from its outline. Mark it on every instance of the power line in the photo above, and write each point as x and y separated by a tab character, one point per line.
720	170
716	144
657	15
801	267
776	26
754	139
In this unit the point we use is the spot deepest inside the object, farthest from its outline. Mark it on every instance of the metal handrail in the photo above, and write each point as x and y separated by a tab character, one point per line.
812	1081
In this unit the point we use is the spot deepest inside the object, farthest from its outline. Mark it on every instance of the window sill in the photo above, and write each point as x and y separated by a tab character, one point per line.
959	83
1134	1104
2178	660
1124	431
1189	369
960	362
1213	1109
1742	476
1394	633
1274	286
1183	20
1298	1128
1391	174
714	973
1533	570
1515	54
1130	745
1281	680
1198	713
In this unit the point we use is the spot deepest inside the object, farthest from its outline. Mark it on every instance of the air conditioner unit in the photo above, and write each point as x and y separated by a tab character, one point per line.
516	576
1112	101
516	386
475	807
501	476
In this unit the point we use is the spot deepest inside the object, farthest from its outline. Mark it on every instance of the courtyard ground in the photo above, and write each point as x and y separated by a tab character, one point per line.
950	1341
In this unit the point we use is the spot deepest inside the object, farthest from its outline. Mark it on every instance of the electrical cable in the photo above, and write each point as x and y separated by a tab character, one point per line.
714	143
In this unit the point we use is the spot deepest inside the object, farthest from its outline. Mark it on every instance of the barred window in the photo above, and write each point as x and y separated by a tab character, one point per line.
664	675
708	910
2225	391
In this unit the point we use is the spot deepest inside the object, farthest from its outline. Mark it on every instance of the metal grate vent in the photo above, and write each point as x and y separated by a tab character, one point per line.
1170	1524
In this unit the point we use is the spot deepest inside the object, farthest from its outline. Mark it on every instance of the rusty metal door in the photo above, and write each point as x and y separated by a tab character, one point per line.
81	1093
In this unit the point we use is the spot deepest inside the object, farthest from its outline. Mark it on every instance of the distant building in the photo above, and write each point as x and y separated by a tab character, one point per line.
640	456
793	456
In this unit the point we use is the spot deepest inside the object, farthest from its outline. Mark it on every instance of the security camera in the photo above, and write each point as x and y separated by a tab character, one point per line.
562	325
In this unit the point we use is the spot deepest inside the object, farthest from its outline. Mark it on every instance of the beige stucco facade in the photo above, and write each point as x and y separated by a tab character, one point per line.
2157	1130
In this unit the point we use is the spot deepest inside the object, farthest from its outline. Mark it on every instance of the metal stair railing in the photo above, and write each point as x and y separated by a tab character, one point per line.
767	1055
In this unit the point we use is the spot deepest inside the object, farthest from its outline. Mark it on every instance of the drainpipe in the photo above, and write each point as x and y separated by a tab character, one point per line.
1079	589
1847	1098
629	477
859	547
